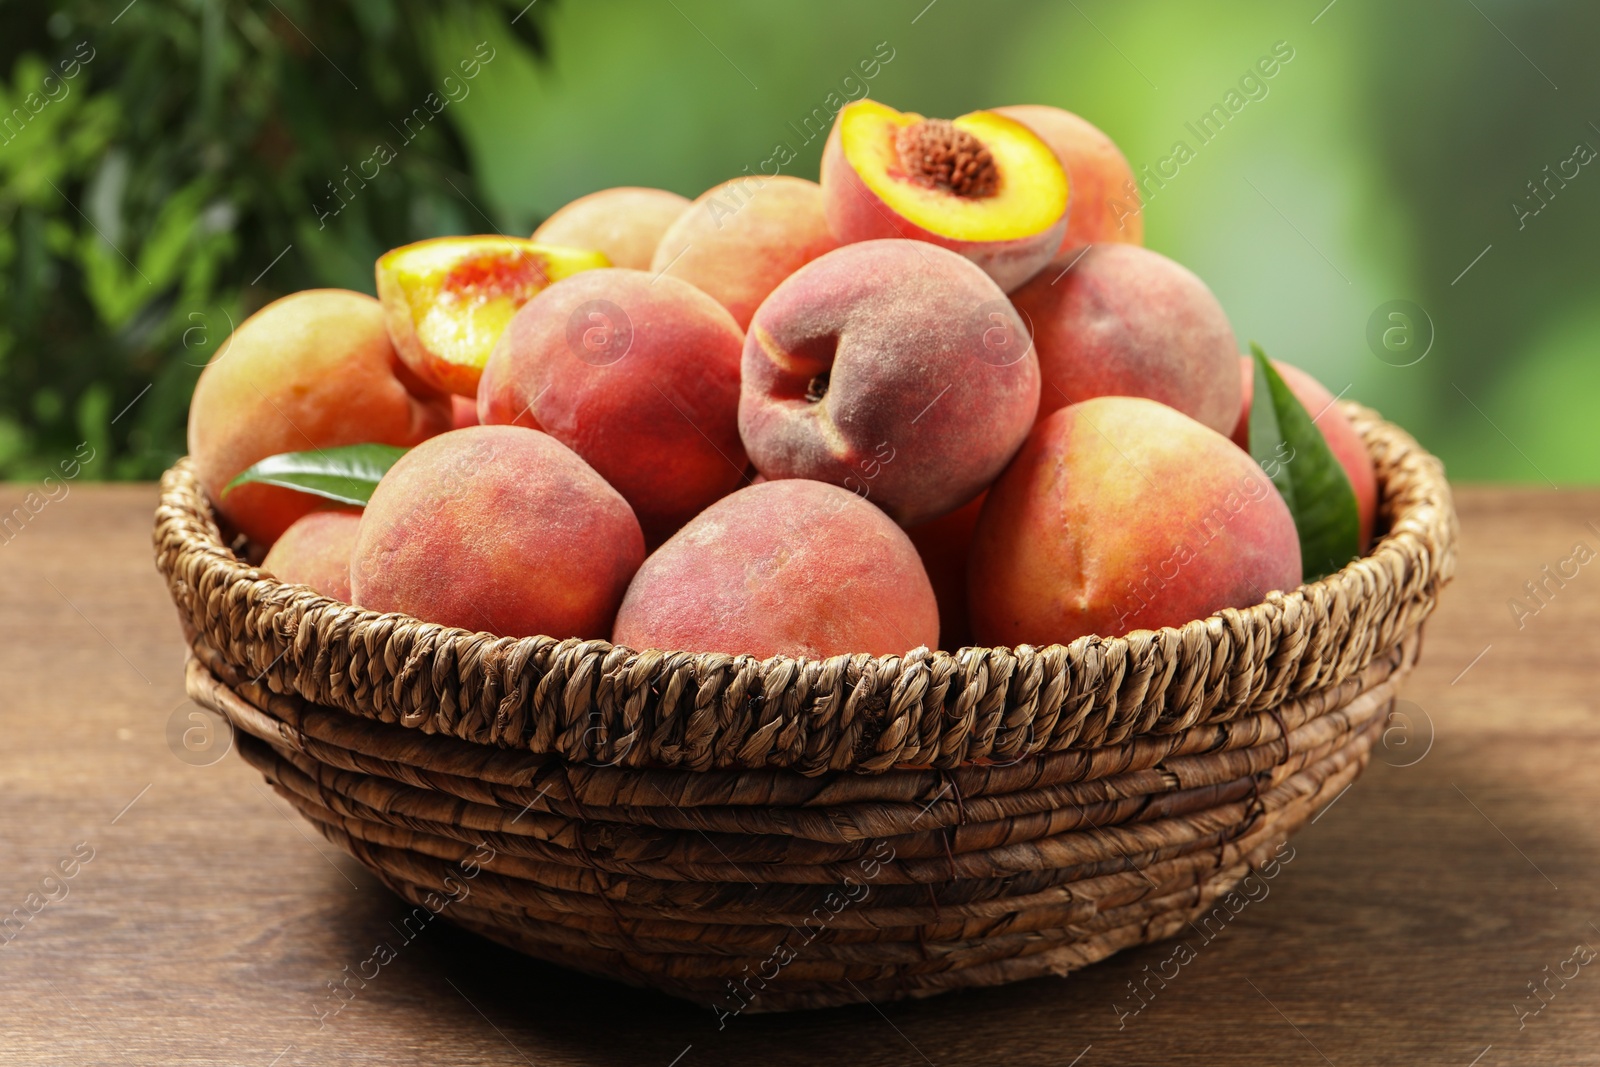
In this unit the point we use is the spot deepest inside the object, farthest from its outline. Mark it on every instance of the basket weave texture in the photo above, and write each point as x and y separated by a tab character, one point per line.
758	835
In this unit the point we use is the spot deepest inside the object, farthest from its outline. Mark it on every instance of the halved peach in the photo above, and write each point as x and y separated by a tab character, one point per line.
447	300
983	185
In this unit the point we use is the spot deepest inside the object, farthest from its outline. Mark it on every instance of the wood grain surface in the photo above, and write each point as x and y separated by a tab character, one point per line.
1445	910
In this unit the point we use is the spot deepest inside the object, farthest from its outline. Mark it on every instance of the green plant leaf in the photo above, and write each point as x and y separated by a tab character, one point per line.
346	474
1294	454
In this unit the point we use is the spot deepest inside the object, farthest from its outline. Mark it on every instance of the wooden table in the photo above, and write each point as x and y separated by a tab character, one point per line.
207	922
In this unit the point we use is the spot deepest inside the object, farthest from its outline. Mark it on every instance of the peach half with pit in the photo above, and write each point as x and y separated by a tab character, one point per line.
447	300
983	185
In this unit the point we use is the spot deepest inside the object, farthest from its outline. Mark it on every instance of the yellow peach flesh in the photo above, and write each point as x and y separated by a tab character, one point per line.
1031	195
452	298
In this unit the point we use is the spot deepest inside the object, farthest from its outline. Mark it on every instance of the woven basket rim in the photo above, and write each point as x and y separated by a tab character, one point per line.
499	690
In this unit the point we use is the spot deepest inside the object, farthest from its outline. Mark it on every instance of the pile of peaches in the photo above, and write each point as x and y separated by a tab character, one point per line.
943	397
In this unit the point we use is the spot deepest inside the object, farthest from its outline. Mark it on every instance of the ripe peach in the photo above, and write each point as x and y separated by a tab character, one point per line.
446	300
944	545
1343	441
637	374
315	551
1097	172
1121	320
500	529
1120	514
792	568
625	223
463	411
894	368
983	185
743	237
311	370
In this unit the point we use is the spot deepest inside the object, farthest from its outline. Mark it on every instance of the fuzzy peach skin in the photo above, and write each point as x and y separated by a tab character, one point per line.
1121	320
1122	514
626	223
463	411
1343	441
637	374
315	551
791	568
893	368
500	529
944	545
311	370
982	185
1101	209
741	238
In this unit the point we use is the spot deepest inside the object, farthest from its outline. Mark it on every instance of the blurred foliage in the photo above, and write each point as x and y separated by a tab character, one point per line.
167	166
201	138
1380	161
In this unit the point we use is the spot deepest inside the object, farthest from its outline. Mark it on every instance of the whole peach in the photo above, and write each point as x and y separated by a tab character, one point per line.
1343	440
741	238
896	369
308	371
626	223
315	551
792	568
500	529
1121	514
1121	320
637	374
1101	208
944	545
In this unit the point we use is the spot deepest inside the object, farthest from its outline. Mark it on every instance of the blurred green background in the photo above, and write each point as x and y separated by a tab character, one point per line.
185	173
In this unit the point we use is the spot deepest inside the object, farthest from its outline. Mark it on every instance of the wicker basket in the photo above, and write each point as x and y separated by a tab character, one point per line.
759	835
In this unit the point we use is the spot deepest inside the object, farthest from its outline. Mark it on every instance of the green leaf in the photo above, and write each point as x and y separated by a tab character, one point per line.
347	474
1294	454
